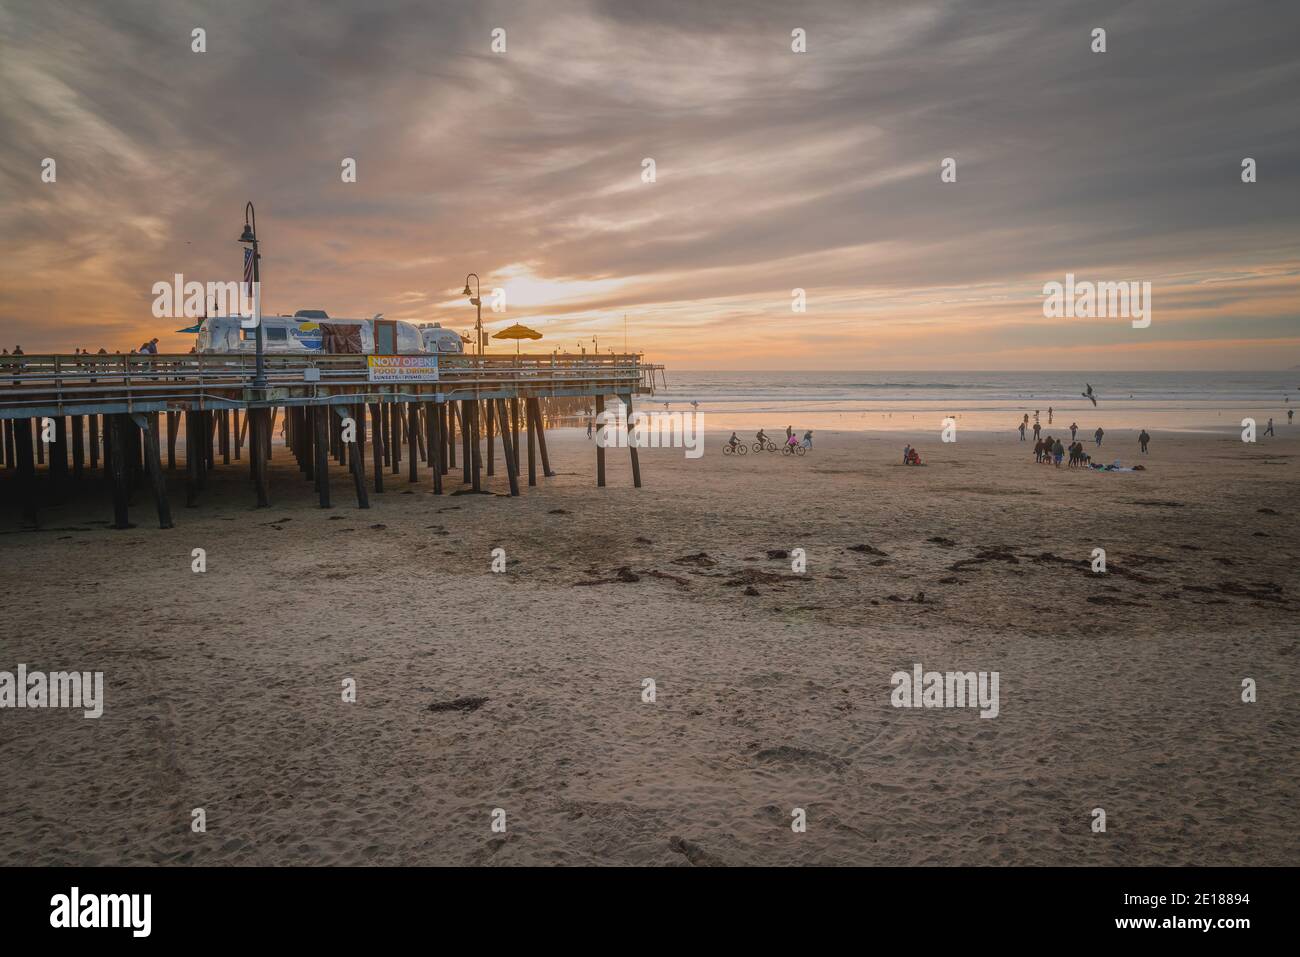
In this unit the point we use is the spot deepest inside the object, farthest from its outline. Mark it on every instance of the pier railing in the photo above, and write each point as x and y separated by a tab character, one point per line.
62	381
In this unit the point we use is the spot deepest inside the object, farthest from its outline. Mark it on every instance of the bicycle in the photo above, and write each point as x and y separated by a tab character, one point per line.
760	446
737	449
793	450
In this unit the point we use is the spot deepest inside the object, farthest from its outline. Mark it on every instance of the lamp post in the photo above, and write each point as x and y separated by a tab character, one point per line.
477	300
250	236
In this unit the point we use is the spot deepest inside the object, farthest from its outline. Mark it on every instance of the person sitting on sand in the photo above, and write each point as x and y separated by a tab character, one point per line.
913	457
1143	439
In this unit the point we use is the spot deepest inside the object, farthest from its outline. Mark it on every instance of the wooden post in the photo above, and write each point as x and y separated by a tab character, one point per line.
541	437
476	454
600	449
248	415
40	441
10	448
436	445
78	446
356	451
191	459
507	446
412	441
491	447
234	431
418	409
93	437
466	461
172	429
453	417
259	447
209	434
532	443
399	428
22	453
59	455
153	464
377	435
514	430
636	461
120	472
321	414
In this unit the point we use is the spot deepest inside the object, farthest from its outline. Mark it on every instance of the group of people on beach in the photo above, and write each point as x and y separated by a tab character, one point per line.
762	441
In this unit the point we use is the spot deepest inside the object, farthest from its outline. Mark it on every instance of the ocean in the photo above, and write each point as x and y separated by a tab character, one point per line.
983	401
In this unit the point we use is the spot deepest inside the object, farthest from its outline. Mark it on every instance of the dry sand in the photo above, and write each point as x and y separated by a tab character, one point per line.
1119	691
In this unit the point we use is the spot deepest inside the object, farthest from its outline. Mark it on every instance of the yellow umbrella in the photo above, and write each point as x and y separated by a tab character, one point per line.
517	332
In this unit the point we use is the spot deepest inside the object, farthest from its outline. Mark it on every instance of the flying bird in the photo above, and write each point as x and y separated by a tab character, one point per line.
1088	394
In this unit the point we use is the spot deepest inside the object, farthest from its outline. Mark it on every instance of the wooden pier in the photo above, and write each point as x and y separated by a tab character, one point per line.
134	407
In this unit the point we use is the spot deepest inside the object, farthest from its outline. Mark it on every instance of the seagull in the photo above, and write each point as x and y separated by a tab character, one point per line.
1088	394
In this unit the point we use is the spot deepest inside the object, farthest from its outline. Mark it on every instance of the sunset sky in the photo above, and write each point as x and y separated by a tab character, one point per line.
775	170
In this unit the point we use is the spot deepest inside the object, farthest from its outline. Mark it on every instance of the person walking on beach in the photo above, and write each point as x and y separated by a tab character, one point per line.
1049	415
1074	427
1022	430
1098	434
1269	430
807	436
589	428
1058	452
1290	414
1143	439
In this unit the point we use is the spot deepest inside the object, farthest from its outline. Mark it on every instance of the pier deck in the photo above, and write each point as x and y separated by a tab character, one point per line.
118	403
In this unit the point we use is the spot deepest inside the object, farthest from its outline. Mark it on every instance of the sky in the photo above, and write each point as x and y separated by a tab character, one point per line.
774	170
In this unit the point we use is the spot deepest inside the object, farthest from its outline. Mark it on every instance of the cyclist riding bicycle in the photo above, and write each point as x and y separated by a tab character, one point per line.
733	441
761	438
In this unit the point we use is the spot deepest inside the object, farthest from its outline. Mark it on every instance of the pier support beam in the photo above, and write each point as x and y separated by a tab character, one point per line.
476	441
464	440
120	471
259	447
78	447
356	450
452	417
153	464
636	461
536	406
377	436
532	443
22	456
507	446
600	449
491	446
321	415
436	445
412	441
93	424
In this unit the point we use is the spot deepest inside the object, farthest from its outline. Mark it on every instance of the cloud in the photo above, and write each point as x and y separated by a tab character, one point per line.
774	170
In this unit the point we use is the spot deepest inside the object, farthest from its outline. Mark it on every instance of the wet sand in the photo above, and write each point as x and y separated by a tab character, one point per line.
1120	691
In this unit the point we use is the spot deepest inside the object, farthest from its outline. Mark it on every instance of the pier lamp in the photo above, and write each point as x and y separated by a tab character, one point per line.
477	299
250	236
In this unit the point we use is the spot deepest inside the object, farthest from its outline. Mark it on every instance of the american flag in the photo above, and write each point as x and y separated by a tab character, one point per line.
248	267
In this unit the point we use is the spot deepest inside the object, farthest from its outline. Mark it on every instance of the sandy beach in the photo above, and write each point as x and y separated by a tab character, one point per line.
1119	690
